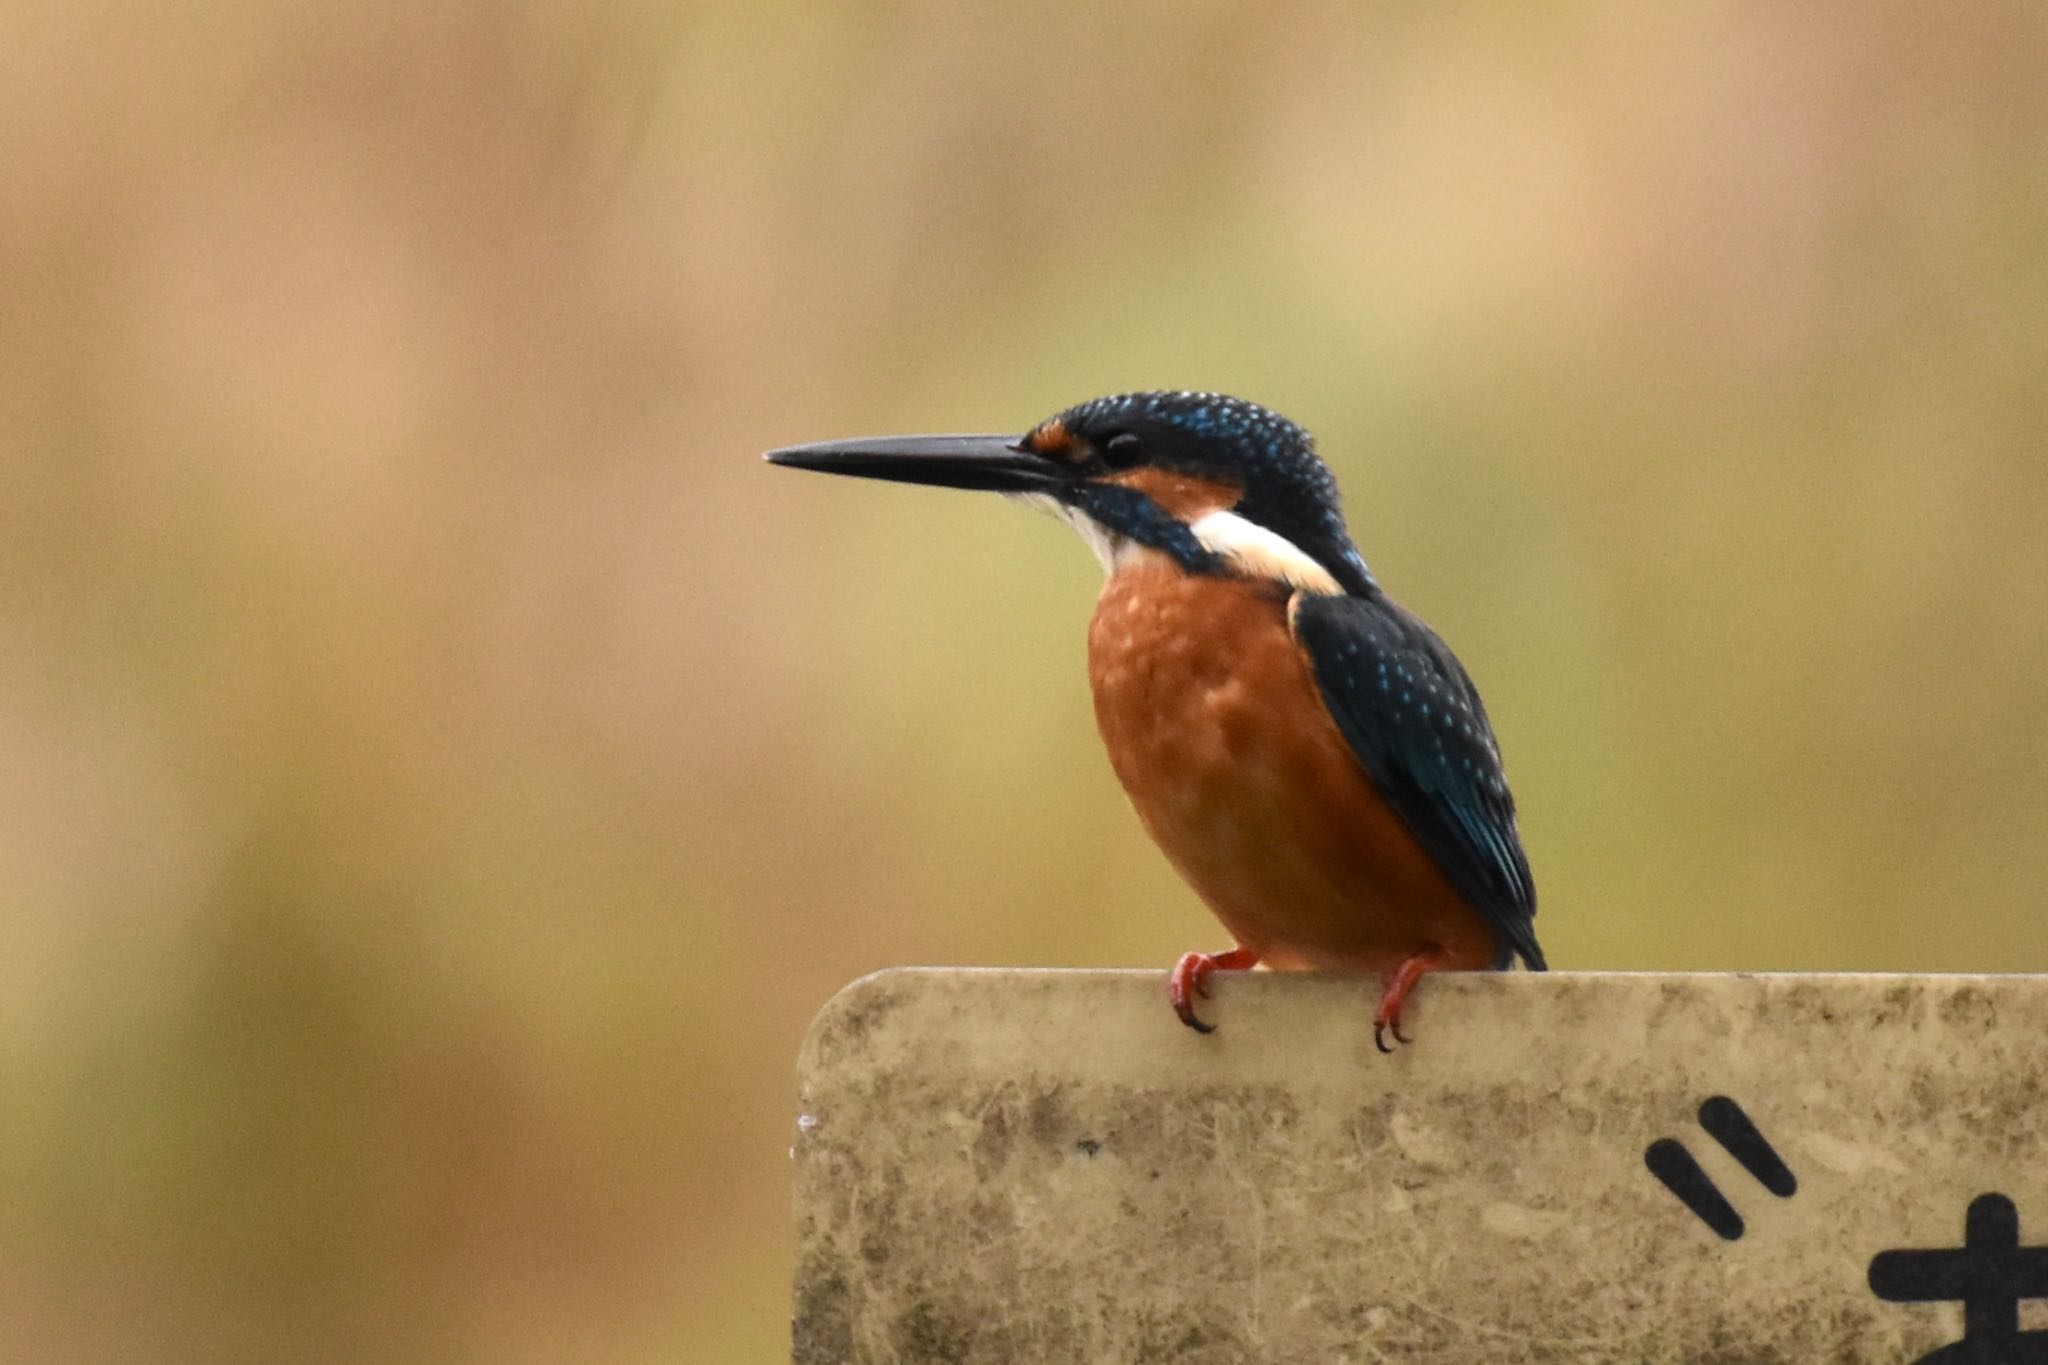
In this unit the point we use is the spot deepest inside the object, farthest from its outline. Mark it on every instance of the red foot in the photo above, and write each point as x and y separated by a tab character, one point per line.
1190	978
1388	1018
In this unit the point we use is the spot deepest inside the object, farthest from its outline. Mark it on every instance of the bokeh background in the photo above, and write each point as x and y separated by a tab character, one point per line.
443	769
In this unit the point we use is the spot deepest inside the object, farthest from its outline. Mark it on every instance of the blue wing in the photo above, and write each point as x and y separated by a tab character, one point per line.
1405	706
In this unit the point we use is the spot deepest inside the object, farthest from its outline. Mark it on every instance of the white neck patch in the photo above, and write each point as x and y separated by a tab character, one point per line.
1259	553
1248	547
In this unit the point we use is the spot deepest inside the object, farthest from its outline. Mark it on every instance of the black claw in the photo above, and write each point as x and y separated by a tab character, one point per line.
1187	1016
1379	1038
1400	1037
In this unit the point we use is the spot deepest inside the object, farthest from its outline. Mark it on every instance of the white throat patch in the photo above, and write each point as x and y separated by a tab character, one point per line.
1109	547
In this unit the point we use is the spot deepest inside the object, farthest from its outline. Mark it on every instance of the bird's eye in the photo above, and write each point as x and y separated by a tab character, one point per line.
1122	450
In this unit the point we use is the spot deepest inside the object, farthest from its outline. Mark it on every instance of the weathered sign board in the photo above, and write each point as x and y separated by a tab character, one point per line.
997	1166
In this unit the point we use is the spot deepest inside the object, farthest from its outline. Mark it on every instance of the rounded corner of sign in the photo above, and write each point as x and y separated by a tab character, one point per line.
852	1011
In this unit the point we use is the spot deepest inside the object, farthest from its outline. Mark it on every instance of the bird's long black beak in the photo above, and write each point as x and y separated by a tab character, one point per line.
996	464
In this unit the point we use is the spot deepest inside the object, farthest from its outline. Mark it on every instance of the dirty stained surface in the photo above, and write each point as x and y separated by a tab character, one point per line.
997	1166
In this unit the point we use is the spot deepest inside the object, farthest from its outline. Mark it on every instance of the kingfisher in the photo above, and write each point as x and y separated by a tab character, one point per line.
1311	758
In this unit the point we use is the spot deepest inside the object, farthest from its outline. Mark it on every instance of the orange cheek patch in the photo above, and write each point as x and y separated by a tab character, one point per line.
1183	496
1051	439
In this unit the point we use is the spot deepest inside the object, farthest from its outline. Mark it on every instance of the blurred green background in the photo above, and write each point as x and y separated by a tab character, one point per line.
445	769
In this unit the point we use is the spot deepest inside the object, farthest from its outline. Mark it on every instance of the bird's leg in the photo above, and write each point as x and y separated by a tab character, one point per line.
1388	1017
1190	978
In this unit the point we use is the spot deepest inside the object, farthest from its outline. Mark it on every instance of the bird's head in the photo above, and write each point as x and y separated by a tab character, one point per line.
1219	484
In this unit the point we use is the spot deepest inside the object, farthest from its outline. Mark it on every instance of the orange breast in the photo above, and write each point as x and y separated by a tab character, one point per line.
1216	728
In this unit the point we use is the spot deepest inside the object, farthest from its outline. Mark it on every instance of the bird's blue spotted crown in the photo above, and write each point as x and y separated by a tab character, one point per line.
1215	416
1287	487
